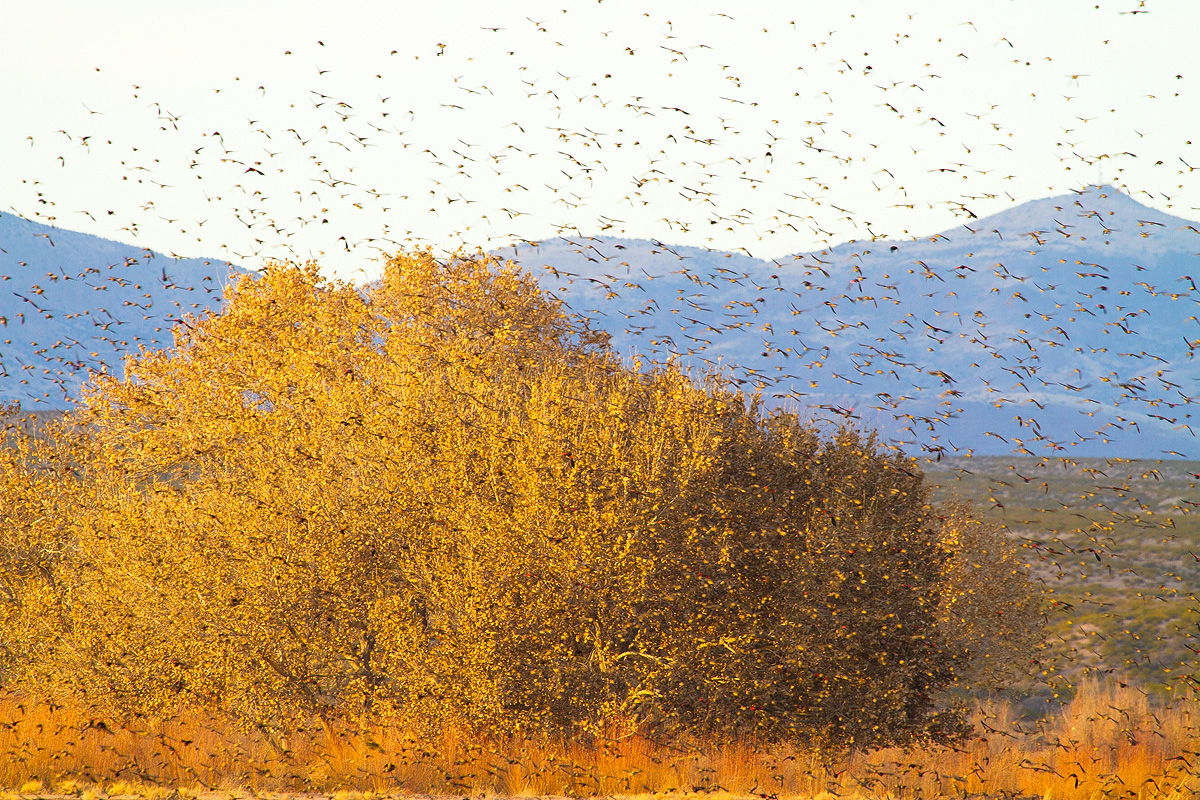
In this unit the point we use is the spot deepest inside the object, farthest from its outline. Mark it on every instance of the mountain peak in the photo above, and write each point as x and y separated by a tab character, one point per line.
1048	328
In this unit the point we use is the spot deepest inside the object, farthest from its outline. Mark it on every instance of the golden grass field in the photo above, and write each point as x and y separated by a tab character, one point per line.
1107	741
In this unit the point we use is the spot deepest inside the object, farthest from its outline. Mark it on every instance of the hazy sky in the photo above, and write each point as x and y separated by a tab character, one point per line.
328	130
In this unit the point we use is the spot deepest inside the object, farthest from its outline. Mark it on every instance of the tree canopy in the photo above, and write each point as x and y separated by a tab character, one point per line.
441	499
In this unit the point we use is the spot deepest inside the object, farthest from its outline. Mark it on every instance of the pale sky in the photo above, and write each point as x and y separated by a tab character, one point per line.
300	129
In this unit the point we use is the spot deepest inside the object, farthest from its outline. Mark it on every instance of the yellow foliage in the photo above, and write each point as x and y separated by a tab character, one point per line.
442	502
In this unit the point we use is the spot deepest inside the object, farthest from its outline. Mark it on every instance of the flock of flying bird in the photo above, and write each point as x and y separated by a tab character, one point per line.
905	332
578	159
592	154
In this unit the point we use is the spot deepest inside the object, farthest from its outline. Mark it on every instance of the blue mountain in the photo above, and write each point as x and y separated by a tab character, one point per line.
71	303
1063	326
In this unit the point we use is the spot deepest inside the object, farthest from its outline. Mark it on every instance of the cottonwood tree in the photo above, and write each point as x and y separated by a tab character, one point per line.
440	499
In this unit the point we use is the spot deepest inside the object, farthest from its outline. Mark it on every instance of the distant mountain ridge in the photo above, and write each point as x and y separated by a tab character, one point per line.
1063	326
71	302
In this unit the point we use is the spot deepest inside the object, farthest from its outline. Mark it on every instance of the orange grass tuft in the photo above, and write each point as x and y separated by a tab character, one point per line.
1108	741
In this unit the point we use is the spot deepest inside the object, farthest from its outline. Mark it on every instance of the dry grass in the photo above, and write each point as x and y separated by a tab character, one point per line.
1107	742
